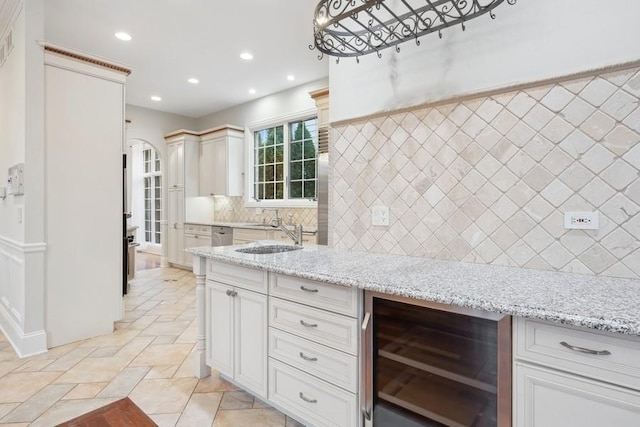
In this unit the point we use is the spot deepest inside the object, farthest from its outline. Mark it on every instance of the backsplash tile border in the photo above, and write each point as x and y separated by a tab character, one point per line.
487	179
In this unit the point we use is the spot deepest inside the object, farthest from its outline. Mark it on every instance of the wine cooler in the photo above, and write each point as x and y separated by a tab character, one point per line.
429	364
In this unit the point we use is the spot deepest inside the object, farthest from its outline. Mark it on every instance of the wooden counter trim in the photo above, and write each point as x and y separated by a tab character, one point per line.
319	93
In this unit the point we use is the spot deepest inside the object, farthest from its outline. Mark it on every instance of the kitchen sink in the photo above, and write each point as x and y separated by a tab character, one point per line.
258	224
274	249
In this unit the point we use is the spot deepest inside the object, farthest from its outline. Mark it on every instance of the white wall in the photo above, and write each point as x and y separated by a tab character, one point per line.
527	42
278	104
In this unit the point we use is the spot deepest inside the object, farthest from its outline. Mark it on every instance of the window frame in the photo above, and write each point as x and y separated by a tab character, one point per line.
250	130
153	175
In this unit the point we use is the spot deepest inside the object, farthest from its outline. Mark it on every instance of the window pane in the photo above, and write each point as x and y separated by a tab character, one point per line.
296	151
279	153
310	169
260	156
269	173
279	135
279	172
261	174
309	150
310	190
158	238
261	137
296	170
270	155
147	236
269	191
295	190
280	190
261	191
270	137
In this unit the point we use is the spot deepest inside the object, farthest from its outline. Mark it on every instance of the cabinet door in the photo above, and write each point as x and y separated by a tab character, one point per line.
251	341
176	164
219	327
207	156
194	241
175	220
219	166
547	398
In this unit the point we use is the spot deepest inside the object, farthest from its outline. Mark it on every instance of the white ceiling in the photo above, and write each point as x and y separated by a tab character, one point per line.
174	40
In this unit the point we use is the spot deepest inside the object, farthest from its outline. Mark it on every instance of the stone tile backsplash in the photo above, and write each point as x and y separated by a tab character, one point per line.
232	209
488	180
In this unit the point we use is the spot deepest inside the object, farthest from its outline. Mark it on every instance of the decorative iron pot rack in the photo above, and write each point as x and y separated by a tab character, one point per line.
352	28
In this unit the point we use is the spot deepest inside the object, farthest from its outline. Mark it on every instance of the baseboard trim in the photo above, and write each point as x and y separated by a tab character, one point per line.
24	344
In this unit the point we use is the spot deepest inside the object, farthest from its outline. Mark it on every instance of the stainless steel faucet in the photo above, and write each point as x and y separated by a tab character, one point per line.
295	234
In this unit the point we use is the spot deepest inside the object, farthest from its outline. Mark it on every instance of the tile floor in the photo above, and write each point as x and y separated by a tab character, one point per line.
147	358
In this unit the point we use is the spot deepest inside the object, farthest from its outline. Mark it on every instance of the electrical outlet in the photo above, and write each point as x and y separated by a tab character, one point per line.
581	220
380	215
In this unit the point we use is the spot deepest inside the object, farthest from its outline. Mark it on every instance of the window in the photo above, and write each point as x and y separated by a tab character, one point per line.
152	196
284	161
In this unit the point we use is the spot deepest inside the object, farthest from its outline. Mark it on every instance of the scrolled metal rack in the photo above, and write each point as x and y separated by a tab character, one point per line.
352	28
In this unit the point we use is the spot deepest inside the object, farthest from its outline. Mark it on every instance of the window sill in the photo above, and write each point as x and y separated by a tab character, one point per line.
305	204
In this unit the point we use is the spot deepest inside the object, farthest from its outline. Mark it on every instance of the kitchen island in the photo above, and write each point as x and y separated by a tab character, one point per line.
598	311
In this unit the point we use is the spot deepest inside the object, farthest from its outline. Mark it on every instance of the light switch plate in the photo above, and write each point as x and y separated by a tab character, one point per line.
581	220
380	215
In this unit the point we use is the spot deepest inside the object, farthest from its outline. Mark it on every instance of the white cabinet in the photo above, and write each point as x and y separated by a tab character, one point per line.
182	182
314	350
222	162
567	376
195	236
236	327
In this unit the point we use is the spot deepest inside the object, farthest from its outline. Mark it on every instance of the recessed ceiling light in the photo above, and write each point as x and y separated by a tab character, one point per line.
252	91
156	98
193	81
123	36
246	56
291	77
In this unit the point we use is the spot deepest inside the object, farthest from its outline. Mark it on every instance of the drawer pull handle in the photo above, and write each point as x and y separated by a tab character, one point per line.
586	350
232	293
311	291
306	399
308	325
307	358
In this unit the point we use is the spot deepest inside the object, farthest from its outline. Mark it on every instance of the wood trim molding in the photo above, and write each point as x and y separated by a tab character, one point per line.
204	132
85	58
319	93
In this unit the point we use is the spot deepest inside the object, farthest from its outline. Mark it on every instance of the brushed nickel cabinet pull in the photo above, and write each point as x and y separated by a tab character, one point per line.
585	350
310	359
308	325
312	291
306	399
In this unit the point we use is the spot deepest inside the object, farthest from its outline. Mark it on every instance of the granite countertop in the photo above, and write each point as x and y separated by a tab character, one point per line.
604	303
248	225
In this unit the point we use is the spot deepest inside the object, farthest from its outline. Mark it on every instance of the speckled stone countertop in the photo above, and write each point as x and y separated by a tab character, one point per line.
248	225
605	303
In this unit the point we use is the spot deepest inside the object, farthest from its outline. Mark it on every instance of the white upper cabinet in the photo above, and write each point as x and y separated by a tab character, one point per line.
182	168
222	162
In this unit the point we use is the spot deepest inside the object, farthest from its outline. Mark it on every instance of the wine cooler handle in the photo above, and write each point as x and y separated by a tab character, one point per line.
366	413
365	321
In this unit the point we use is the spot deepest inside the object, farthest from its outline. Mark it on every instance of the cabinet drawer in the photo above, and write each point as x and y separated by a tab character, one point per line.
204	230
312	400
547	398
540	342
330	329
248	234
340	299
242	277
331	365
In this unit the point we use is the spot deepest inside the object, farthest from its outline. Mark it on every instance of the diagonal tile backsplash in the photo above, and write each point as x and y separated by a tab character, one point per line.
488	180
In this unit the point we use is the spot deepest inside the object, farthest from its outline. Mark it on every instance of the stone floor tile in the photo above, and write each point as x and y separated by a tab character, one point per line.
38	404
174	328
186	369
70	359
236	400
249	417
164	395
20	386
201	410
126	381
105	352
5	408
164	371
259	404
163	354
164	339
188	336
292	423
143	322
10	366
85	391
214	383
98	369
34	365
134	347
164	420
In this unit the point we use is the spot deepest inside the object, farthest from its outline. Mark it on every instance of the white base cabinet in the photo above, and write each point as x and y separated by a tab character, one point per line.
547	398
236	331
574	377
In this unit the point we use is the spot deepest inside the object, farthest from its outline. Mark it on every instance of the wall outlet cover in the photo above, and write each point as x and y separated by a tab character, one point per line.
581	220
380	215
